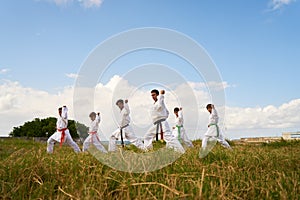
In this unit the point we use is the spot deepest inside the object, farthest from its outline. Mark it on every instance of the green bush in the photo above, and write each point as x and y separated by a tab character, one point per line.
46	127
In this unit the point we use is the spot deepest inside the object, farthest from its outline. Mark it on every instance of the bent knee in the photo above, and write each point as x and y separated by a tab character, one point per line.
49	141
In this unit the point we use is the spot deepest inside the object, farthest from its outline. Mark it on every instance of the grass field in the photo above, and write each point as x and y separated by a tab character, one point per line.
267	171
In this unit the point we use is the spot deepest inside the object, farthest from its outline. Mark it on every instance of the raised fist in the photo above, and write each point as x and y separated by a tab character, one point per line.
162	92
126	100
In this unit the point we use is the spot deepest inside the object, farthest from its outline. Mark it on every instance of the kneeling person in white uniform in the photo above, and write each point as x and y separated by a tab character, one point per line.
125	131
178	130
62	135
93	137
159	114
213	130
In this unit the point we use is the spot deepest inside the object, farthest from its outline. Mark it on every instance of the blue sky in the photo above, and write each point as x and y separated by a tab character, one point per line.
255	44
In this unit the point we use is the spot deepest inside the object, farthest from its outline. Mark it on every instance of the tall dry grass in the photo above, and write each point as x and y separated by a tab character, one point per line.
269	171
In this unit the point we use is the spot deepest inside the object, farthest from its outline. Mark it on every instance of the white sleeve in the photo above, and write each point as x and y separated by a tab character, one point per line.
64	113
98	119
160	102
214	112
127	110
124	114
180	115
161	99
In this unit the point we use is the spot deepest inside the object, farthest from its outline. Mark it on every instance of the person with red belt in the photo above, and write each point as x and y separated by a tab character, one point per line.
62	134
93	137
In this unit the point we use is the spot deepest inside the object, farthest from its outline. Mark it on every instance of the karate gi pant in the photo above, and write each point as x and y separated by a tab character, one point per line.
56	137
212	133
127	134
94	140
172	142
183	137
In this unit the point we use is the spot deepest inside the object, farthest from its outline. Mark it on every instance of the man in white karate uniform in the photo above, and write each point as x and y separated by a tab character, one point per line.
213	132
125	131
178	130
62	134
159	114
93	137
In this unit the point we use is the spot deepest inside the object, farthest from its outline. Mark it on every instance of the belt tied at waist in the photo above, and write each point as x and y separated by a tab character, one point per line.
218	130
92	133
63	134
121	132
179	131
159	125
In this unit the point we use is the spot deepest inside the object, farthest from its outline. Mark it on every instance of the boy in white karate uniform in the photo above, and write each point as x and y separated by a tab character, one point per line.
213	130
93	137
178	130
62	135
159	114
125	131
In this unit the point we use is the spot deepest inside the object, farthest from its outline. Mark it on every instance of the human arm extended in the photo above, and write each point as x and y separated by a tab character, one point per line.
125	114
98	118
64	113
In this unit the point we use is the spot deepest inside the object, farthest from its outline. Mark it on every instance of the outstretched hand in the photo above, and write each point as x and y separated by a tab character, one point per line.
126	100
162	92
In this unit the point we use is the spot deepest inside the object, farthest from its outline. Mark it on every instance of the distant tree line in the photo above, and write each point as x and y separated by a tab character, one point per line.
46	127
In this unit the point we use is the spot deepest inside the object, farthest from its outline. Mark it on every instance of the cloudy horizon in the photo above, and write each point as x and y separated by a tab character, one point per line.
20	104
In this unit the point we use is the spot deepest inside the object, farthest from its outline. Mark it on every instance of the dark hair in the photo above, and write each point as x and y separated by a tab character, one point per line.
60	109
208	106
155	91
176	109
92	114
120	101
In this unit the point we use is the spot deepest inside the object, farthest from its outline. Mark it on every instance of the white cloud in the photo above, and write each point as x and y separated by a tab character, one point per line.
72	75
19	104
84	3
284	116
91	3
4	71
212	85
279	4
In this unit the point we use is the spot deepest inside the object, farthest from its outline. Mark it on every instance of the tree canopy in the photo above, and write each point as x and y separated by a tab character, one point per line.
46	127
